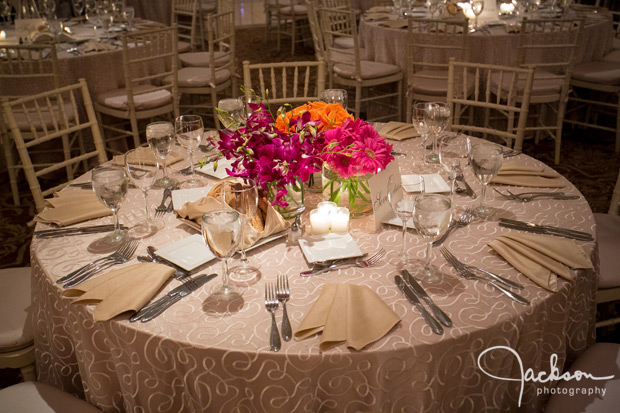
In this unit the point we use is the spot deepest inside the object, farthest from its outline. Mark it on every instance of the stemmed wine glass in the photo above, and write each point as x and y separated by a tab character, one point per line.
129	13
231	112
431	216
437	117
78	7
221	230
485	160
476	7
110	186
189	130
242	196
433	7
419	122
452	152
334	96
160	136
402	203
141	167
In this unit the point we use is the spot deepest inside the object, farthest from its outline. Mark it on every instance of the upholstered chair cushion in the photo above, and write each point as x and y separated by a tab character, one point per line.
35	397
143	99
200	77
542	85
607	73
183	47
297	9
25	124
369	70
614	56
201	59
15	310
608	236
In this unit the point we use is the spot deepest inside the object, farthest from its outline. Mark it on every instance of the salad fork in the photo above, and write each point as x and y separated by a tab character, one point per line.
372	260
271	304
162	208
464	220
283	293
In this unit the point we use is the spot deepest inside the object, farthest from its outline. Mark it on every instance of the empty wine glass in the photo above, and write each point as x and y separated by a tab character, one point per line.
78	7
231	112
431	216
242	196
485	160
453	151
189	130
476	7
129	13
160	136
437	117
110	186
338	96
419	122
221	230
141	167
402	203
433	7
106	21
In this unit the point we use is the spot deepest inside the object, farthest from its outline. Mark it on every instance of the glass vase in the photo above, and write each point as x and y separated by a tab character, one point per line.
295	200
352	193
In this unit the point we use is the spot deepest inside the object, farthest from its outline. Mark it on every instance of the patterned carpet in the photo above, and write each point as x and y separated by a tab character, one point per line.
588	161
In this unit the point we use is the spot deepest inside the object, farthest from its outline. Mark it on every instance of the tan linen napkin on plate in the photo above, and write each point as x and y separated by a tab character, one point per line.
98	47
541	257
518	174
70	207
347	312
398	131
273	220
124	289
395	24
146	153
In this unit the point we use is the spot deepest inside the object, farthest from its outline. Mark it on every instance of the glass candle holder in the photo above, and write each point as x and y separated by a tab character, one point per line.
340	221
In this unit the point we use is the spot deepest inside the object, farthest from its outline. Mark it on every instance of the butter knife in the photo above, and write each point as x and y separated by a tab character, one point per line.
438	312
179	272
546	229
413	299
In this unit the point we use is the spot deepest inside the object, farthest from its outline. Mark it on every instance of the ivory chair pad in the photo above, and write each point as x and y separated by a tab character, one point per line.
297	9
201	59
15	317
344	43
183	47
608	236
208	5
613	56
437	85
369	70
600	360
36	397
200	77
598	72
143	99
540	87
25	125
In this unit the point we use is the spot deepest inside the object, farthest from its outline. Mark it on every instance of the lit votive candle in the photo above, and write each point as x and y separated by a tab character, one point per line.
320	221
340	221
506	8
2	36
328	206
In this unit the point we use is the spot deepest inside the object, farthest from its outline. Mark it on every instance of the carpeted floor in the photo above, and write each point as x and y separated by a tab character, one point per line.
588	161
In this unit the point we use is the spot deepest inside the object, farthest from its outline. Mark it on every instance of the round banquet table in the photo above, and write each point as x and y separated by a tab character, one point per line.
201	355
497	46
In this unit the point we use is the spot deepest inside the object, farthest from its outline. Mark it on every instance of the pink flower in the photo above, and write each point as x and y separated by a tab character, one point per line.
371	152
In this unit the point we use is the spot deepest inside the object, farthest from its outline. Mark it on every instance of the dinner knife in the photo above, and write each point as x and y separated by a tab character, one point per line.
155	309
438	312
178	274
413	299
547	229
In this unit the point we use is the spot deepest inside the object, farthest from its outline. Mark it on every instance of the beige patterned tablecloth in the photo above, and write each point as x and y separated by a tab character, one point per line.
202	356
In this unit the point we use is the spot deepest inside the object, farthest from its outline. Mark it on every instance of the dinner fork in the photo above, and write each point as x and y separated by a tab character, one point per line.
271	304
162	208
372	260
464	220
80	270
121	256
283	293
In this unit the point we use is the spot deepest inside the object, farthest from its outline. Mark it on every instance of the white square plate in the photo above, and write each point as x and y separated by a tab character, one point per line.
329	247
220	173
188	253
182	196
434	183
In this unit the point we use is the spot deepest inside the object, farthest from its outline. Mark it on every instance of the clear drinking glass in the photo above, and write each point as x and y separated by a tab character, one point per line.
452	154
476	7
110	186
437	117
334	96
419	122
231	112
402	203
221	231
106	21
160	136
130	13
242	196
78	7
431	217
189	130
141	168
485	160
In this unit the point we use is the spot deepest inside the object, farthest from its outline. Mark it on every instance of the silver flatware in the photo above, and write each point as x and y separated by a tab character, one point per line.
460	178
413	299
360	262
417	288
179	274
62	232
283	293
545	229
550	195
271	304
464	220
162	208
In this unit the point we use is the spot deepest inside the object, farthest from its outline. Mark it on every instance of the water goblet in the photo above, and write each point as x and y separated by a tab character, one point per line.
452	153
437	117
242	196
485	160
141	168
160	136
418	119
231	112
78	7
106	21
402	203
221	230
189	130
129	13
431	216
110	186
433	7
476	7
338	96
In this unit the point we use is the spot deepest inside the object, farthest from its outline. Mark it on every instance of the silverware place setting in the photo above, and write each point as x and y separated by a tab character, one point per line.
531	196
283	293
271	304
545	229
359	262
413	299
463	220
65	232
439	314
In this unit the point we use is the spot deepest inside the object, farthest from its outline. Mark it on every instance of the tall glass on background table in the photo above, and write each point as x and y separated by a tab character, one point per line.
189	131
431	216
160	136
221	231
418	118
486	159
338	96
232	112
402	203
142	170
453	152
110	186
437	118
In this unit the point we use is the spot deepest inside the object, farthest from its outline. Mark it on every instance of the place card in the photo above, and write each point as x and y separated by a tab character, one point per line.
220	172
379	190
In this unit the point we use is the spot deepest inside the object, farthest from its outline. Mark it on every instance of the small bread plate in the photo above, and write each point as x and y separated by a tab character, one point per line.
189	253
433	183
220	172
181	196
329	247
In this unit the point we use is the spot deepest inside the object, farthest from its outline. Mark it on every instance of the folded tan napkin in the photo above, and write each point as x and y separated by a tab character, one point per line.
70	207
273	221
398	131
92	46
347	312
395	24
541	258
47	37
146	153
519	174
377	16
124	289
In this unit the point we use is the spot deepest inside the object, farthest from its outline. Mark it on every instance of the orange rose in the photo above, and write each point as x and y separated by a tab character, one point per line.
332	116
